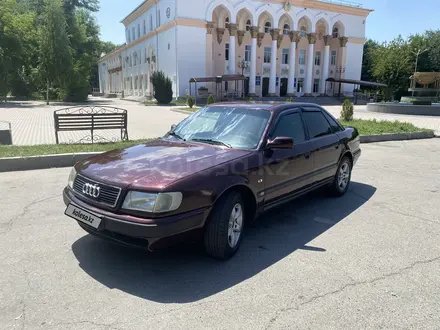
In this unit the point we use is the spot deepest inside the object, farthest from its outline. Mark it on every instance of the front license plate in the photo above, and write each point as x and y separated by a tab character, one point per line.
85	217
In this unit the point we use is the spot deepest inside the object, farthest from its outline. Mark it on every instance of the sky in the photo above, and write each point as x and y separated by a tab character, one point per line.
389	19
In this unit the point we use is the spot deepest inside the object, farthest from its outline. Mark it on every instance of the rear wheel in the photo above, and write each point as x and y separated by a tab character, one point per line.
224	228
342	178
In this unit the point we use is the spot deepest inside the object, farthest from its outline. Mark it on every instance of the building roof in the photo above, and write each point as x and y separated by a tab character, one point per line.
134	10
226	77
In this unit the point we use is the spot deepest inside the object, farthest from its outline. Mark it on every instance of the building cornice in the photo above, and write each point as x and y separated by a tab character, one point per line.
138	11
162	28
333	7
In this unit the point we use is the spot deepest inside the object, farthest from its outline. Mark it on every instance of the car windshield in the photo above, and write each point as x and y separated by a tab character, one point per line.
235	127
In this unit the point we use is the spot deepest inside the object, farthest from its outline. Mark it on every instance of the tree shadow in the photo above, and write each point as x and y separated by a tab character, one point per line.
184	274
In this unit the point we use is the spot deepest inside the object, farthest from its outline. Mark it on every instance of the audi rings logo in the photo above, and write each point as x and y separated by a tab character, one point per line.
91	190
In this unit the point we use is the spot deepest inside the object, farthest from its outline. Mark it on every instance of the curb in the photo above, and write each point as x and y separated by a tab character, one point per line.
396	137
68	160
42	162
182	111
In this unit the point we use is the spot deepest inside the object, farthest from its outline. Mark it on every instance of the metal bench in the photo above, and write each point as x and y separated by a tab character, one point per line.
91	119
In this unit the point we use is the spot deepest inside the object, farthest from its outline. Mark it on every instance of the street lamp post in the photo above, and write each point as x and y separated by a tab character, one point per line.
243	65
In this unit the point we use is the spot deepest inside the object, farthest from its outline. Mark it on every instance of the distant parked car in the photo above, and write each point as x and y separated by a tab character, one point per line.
212	173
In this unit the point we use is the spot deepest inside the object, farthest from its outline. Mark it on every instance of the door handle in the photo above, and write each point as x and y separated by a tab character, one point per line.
337	146
307	155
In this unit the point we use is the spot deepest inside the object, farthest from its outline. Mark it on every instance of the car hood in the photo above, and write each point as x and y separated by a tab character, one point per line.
155	164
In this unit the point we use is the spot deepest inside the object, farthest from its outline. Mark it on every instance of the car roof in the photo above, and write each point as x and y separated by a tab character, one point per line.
272	106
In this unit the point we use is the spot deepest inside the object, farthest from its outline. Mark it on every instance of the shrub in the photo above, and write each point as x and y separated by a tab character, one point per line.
421	102
251	99
347	110
289	100
162	87
190	101
211	99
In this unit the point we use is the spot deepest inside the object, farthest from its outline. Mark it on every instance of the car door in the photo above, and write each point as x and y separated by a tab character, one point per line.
326	144
288	170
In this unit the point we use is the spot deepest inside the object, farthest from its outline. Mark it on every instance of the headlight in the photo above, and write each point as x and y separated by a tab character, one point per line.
153	203
72	177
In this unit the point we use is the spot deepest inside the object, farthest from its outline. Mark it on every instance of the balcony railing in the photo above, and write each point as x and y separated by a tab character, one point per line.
344	3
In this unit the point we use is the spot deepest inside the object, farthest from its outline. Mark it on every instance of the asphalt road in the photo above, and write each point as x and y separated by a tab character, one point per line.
369	260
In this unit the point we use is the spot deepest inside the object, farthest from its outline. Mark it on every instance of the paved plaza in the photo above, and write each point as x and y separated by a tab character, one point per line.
368	260
32	122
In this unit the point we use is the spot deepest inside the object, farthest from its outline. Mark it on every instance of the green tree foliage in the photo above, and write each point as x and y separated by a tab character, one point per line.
190	101
347	110
211	99
367	62
162	87
16	32
55	58
55	40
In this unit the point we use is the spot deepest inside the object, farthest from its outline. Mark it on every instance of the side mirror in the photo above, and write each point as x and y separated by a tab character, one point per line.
280	142
173	127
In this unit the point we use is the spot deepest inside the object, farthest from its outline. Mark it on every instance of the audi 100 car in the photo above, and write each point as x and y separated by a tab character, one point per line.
212	174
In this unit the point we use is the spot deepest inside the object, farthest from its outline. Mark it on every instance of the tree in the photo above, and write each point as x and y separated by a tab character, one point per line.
392	65
55	59
162	87
433	46
368	60
16	33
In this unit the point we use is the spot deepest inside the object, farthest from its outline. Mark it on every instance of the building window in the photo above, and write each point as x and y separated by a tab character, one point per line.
248	25
133	35
300	85
302	56
267	54
303	31
145	28
227	22
139	30
285	56
286	29
127	32
135	59
247	53
131	61
267	27
151	22
333	59
318	58
316	86
226	52
158	18
335	33
145	57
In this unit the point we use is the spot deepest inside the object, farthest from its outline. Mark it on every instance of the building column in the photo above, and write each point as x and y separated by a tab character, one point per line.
144	84
132	86
232	35
325	64
343	58
308	83
209	49
273	62
294	39
253	68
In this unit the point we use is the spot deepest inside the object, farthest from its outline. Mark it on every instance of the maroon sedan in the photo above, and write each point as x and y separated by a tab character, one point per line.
213	173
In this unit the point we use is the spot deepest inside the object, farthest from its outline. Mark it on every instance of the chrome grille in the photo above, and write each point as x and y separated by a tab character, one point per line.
108	195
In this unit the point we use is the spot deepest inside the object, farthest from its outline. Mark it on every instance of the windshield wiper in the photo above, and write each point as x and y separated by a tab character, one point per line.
176	135
213	141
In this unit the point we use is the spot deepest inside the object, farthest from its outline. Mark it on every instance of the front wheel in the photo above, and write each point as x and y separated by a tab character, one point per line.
342	178
224	228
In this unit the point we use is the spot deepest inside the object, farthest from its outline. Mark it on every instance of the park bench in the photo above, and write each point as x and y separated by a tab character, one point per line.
91	118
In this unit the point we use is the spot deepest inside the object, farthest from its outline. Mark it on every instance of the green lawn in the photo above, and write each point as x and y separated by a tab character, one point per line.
52	149
370	127
193	109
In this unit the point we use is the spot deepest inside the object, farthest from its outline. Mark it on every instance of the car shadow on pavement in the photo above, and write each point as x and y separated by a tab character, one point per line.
183	274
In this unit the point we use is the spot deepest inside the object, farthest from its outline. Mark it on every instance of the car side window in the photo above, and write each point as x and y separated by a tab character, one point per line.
290	125
333	124
317	124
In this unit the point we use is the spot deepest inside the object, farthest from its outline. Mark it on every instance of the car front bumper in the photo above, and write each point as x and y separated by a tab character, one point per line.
133	231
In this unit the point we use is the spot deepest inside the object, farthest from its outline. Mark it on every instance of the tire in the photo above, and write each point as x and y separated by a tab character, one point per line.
220	242
340	185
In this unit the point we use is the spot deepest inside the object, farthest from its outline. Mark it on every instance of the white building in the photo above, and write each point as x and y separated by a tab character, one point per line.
290	47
